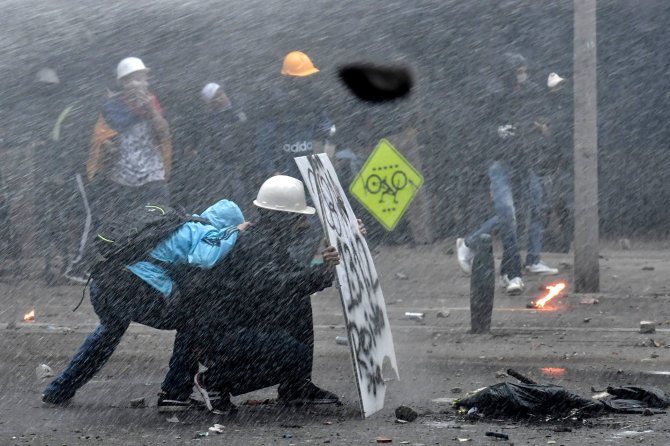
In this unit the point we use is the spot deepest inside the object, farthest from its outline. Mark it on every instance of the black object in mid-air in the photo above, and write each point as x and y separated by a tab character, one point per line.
376	83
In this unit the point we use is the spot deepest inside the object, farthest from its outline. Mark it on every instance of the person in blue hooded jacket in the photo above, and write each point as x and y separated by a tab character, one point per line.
146	293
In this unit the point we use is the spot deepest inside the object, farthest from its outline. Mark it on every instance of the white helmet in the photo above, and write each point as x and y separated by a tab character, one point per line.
283	193
209	91
47	76
554	80
129	65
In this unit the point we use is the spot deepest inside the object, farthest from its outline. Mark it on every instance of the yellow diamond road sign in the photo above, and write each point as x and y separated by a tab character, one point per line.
386	184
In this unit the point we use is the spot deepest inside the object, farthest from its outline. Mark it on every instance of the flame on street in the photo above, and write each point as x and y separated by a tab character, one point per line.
29	316
552	291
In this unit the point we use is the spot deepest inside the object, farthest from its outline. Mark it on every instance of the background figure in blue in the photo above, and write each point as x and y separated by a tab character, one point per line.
518	130
145	292
296	124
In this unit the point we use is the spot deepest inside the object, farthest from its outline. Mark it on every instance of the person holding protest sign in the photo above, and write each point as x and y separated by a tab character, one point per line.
256	315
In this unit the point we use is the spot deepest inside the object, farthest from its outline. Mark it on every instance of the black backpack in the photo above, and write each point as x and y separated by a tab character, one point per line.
130	237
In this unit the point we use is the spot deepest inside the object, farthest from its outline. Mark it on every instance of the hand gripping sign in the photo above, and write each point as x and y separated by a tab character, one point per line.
368	328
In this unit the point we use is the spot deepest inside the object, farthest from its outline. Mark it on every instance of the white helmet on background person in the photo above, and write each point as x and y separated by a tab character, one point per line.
47	76
209	91
283	193
129	65
554	80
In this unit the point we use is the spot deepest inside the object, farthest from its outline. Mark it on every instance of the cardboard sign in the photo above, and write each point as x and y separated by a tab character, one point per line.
368	329
386	184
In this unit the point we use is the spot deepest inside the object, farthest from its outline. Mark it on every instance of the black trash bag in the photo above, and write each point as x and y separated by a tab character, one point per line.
523	400
652	396
625	406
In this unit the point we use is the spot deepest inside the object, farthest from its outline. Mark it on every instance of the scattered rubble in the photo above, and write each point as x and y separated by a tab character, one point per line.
342	340
138	403
647	327
44	371
406	413
497	435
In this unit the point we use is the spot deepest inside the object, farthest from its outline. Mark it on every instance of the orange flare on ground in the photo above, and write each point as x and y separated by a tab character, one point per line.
554	290
29	316
553	371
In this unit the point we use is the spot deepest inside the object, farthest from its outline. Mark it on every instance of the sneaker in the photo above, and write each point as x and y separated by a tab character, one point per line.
464	255
56	398
167	404
216	402
515	286
504	281
541	268
308	393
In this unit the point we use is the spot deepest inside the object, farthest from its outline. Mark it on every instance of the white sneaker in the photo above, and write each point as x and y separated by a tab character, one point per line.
541	268
515	286
464	255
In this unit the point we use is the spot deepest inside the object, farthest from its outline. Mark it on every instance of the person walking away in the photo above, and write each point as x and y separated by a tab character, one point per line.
515	113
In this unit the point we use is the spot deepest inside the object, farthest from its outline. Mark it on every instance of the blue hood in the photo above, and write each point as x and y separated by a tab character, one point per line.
223	214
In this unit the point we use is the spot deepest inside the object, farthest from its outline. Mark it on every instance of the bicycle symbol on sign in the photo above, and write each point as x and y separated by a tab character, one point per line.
375	184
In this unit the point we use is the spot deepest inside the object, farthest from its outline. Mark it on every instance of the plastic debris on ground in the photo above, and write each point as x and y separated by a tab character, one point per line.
138	403
406	413
172	419
530	400
217	429
341	340
647	327
44	371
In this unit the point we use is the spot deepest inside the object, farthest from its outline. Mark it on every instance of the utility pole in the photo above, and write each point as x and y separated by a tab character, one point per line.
586	243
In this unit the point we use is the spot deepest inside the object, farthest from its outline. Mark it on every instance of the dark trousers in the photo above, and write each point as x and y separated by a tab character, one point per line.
121	299
248	357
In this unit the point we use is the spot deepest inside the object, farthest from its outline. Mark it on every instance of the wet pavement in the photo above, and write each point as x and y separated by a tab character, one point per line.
573	344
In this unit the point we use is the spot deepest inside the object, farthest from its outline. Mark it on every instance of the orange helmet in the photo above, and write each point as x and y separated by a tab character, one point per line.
297	63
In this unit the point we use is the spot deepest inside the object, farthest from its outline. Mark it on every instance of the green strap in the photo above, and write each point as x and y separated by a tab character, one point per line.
55	132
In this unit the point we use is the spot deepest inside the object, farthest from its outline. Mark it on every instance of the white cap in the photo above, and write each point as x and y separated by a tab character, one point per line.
283	193
129	65
209	91
47	76
554	80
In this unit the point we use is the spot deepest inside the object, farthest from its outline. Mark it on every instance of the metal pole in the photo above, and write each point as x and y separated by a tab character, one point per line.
482	285
587	268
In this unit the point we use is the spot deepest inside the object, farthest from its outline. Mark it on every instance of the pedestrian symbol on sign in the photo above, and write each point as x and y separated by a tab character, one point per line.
386	184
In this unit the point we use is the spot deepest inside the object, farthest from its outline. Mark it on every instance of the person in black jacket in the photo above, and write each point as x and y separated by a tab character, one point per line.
254	314
517	148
